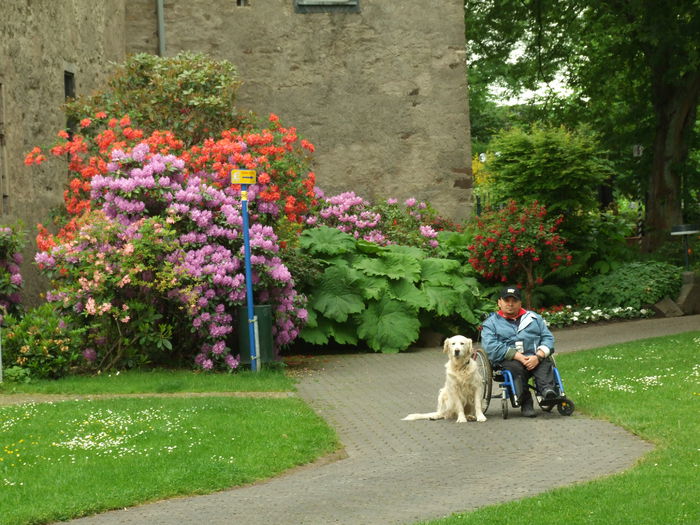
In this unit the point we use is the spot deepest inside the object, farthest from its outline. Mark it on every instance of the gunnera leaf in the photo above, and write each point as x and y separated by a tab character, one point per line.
326	241
388	325
391	265
338	294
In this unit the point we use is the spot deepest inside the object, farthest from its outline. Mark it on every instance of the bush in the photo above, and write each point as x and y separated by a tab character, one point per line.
635	284
12	240
43	344
189	94
518	244
383	295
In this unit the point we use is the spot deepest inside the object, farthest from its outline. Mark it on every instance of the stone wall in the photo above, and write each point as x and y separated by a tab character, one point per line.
40	40
381	93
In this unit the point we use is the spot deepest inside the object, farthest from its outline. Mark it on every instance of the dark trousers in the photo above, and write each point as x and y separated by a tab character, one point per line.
543	374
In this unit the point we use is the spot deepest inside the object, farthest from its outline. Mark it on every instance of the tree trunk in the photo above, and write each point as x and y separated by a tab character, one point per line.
675	108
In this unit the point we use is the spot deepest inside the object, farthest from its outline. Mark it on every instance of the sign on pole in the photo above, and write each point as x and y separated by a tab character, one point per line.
245	177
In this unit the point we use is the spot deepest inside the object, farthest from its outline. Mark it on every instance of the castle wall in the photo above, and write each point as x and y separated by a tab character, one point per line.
381	93
41	40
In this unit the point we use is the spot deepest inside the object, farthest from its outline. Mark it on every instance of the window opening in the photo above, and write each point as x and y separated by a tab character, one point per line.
69	94
5	203
327	6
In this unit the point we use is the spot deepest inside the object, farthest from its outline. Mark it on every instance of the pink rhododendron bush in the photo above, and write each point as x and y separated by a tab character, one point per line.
156	255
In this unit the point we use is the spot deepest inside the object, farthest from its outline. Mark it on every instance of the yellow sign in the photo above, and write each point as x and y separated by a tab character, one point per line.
243	176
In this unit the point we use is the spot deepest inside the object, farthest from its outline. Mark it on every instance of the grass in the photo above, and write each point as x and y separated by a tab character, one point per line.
62	460
652	388
157	381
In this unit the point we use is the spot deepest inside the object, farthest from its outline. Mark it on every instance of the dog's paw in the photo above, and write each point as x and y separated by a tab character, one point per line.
481	418
461	419
471	418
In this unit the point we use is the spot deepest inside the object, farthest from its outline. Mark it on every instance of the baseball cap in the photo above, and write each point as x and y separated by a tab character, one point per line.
510	291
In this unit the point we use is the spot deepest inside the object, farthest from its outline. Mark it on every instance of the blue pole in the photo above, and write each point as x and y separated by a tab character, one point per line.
248	279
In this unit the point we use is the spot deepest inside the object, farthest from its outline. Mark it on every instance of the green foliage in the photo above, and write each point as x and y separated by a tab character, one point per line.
384	295
556	167
635	284
190	94
518	244
42	343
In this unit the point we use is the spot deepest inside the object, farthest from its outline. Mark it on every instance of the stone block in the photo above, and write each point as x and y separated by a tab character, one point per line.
667	307
689	298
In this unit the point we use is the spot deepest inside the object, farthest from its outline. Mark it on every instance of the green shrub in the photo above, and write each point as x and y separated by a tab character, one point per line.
190	94
635	284
384	295
42	344
559	168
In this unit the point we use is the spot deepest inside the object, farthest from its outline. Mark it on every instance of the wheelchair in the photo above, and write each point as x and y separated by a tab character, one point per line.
508	395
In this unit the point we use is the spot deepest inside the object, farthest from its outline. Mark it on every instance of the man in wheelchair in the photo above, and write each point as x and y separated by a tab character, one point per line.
519	341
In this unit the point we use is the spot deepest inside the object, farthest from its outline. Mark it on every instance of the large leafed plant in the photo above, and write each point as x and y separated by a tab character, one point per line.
383	295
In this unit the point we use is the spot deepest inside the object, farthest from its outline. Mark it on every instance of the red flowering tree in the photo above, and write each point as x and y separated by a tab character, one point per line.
518	244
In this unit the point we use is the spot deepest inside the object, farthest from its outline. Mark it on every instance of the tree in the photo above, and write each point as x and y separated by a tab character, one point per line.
634	67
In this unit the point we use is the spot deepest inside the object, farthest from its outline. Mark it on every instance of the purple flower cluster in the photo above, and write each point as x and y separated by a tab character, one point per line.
384	224
11	243
351	214
203	270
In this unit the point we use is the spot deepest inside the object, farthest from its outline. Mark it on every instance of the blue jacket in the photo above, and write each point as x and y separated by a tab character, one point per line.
498	336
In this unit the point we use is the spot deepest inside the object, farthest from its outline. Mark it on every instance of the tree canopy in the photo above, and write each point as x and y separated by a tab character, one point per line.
633	68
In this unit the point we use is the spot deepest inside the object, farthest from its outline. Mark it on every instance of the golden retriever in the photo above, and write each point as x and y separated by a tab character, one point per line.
461	396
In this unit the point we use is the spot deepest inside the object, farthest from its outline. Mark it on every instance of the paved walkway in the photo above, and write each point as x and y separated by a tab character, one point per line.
400	472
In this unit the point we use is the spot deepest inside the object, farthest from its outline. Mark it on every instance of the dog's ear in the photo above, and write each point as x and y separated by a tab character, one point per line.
469	344
446	345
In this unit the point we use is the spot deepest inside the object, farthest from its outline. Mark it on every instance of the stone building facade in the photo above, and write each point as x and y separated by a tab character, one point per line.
379	86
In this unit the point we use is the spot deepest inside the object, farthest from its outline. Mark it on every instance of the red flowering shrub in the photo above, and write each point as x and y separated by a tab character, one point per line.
518	245
285	185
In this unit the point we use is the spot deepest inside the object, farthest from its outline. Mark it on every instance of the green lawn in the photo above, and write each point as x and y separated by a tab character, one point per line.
652	388
66	459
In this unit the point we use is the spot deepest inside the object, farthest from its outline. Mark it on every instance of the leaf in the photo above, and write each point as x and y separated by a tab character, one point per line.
326	241
338	294
327	329
369	247
345	333
373	287
404	290
389	325
391	265
410	251
442	300
314	335
436	271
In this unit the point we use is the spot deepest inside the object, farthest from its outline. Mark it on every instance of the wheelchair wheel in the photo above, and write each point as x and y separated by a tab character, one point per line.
504	407
484	365
566	407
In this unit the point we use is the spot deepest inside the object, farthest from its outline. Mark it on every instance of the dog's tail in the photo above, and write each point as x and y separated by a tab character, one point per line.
416	417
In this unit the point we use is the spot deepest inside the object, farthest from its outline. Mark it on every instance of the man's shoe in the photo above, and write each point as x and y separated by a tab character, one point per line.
549	395
527	409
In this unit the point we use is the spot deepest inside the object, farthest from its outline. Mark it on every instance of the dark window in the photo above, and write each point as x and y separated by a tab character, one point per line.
5	203
242	3
327	6
69	94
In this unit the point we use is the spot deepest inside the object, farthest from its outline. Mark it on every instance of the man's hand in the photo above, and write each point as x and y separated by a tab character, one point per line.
530	362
